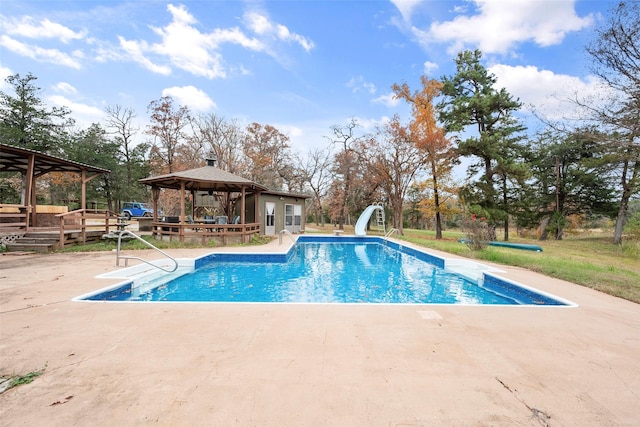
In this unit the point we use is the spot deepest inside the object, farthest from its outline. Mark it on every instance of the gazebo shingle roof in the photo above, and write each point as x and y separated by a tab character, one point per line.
203	179
16	159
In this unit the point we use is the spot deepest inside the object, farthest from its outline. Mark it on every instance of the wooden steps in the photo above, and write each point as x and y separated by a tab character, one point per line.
46	241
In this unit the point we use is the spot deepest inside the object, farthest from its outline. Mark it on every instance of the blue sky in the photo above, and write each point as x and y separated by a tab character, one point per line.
301	66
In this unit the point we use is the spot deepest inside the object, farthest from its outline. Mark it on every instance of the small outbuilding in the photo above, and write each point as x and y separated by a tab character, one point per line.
224	207
279	211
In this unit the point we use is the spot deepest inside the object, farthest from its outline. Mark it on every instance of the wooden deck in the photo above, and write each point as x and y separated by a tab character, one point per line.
85	226
77	227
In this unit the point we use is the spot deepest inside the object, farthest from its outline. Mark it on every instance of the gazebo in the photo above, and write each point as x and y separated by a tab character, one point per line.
32	226
212	180
31	165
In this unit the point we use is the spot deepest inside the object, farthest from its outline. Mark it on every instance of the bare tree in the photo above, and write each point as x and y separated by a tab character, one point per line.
268	156
168	130
345	163
222	138
316	173
120	125
616	59
395	162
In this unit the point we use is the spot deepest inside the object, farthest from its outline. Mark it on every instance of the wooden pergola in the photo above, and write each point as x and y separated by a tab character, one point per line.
32	165
209	179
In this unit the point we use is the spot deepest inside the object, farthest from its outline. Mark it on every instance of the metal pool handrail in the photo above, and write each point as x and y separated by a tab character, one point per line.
390	232
285	231
127	258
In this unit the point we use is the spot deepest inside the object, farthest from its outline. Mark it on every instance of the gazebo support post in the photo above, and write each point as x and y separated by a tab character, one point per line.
83	191
33	201
256	207
182	211
83	200
193	204
243	205
155	194
29	193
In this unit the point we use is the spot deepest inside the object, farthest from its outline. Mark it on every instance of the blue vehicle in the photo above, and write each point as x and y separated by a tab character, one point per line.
136	210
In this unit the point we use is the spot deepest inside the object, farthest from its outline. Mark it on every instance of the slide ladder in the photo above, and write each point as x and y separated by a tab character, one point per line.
380	220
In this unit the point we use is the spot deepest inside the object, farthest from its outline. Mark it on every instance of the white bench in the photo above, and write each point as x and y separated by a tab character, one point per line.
338	232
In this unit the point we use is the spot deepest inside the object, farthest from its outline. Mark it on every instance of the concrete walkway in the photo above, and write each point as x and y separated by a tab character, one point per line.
210	364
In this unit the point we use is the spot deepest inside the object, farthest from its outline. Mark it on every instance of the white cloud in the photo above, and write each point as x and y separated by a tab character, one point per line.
430	67
194	51
260	24
190	96
388	100
292	131
356	84
368	125
182	44
135	51
83	114
45	29
64	87
500	25
545	92
186	47
406	7
4	73
40	54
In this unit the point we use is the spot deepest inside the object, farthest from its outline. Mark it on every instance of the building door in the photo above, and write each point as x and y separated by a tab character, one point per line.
269	219
288	218
297	218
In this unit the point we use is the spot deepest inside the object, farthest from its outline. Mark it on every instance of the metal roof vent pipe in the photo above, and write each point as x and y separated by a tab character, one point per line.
212	159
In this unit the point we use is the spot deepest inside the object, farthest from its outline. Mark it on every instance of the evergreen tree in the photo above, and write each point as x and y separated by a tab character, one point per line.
570	178
482	117
26	122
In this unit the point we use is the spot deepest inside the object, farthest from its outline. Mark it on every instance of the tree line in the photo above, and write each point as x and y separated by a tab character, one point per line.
513	179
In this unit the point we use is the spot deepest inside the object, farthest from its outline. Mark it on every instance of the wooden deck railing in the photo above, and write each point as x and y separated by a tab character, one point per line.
205	232
13	217
85	220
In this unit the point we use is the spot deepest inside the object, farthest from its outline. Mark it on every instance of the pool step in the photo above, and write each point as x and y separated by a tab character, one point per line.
470	269
152	281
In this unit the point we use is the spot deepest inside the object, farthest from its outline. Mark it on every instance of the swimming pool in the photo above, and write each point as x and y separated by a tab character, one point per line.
320	269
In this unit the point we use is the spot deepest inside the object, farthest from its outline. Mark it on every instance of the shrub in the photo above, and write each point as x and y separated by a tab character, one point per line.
478	234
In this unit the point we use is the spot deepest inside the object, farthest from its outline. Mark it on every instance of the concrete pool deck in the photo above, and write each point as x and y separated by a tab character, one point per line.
173	364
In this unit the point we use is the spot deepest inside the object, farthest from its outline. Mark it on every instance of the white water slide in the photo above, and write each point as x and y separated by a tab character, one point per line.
361	224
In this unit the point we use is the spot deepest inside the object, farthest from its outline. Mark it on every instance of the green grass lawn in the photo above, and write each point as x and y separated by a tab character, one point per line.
588	259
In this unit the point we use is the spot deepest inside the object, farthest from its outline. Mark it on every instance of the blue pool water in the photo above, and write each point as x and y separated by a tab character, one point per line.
320	270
